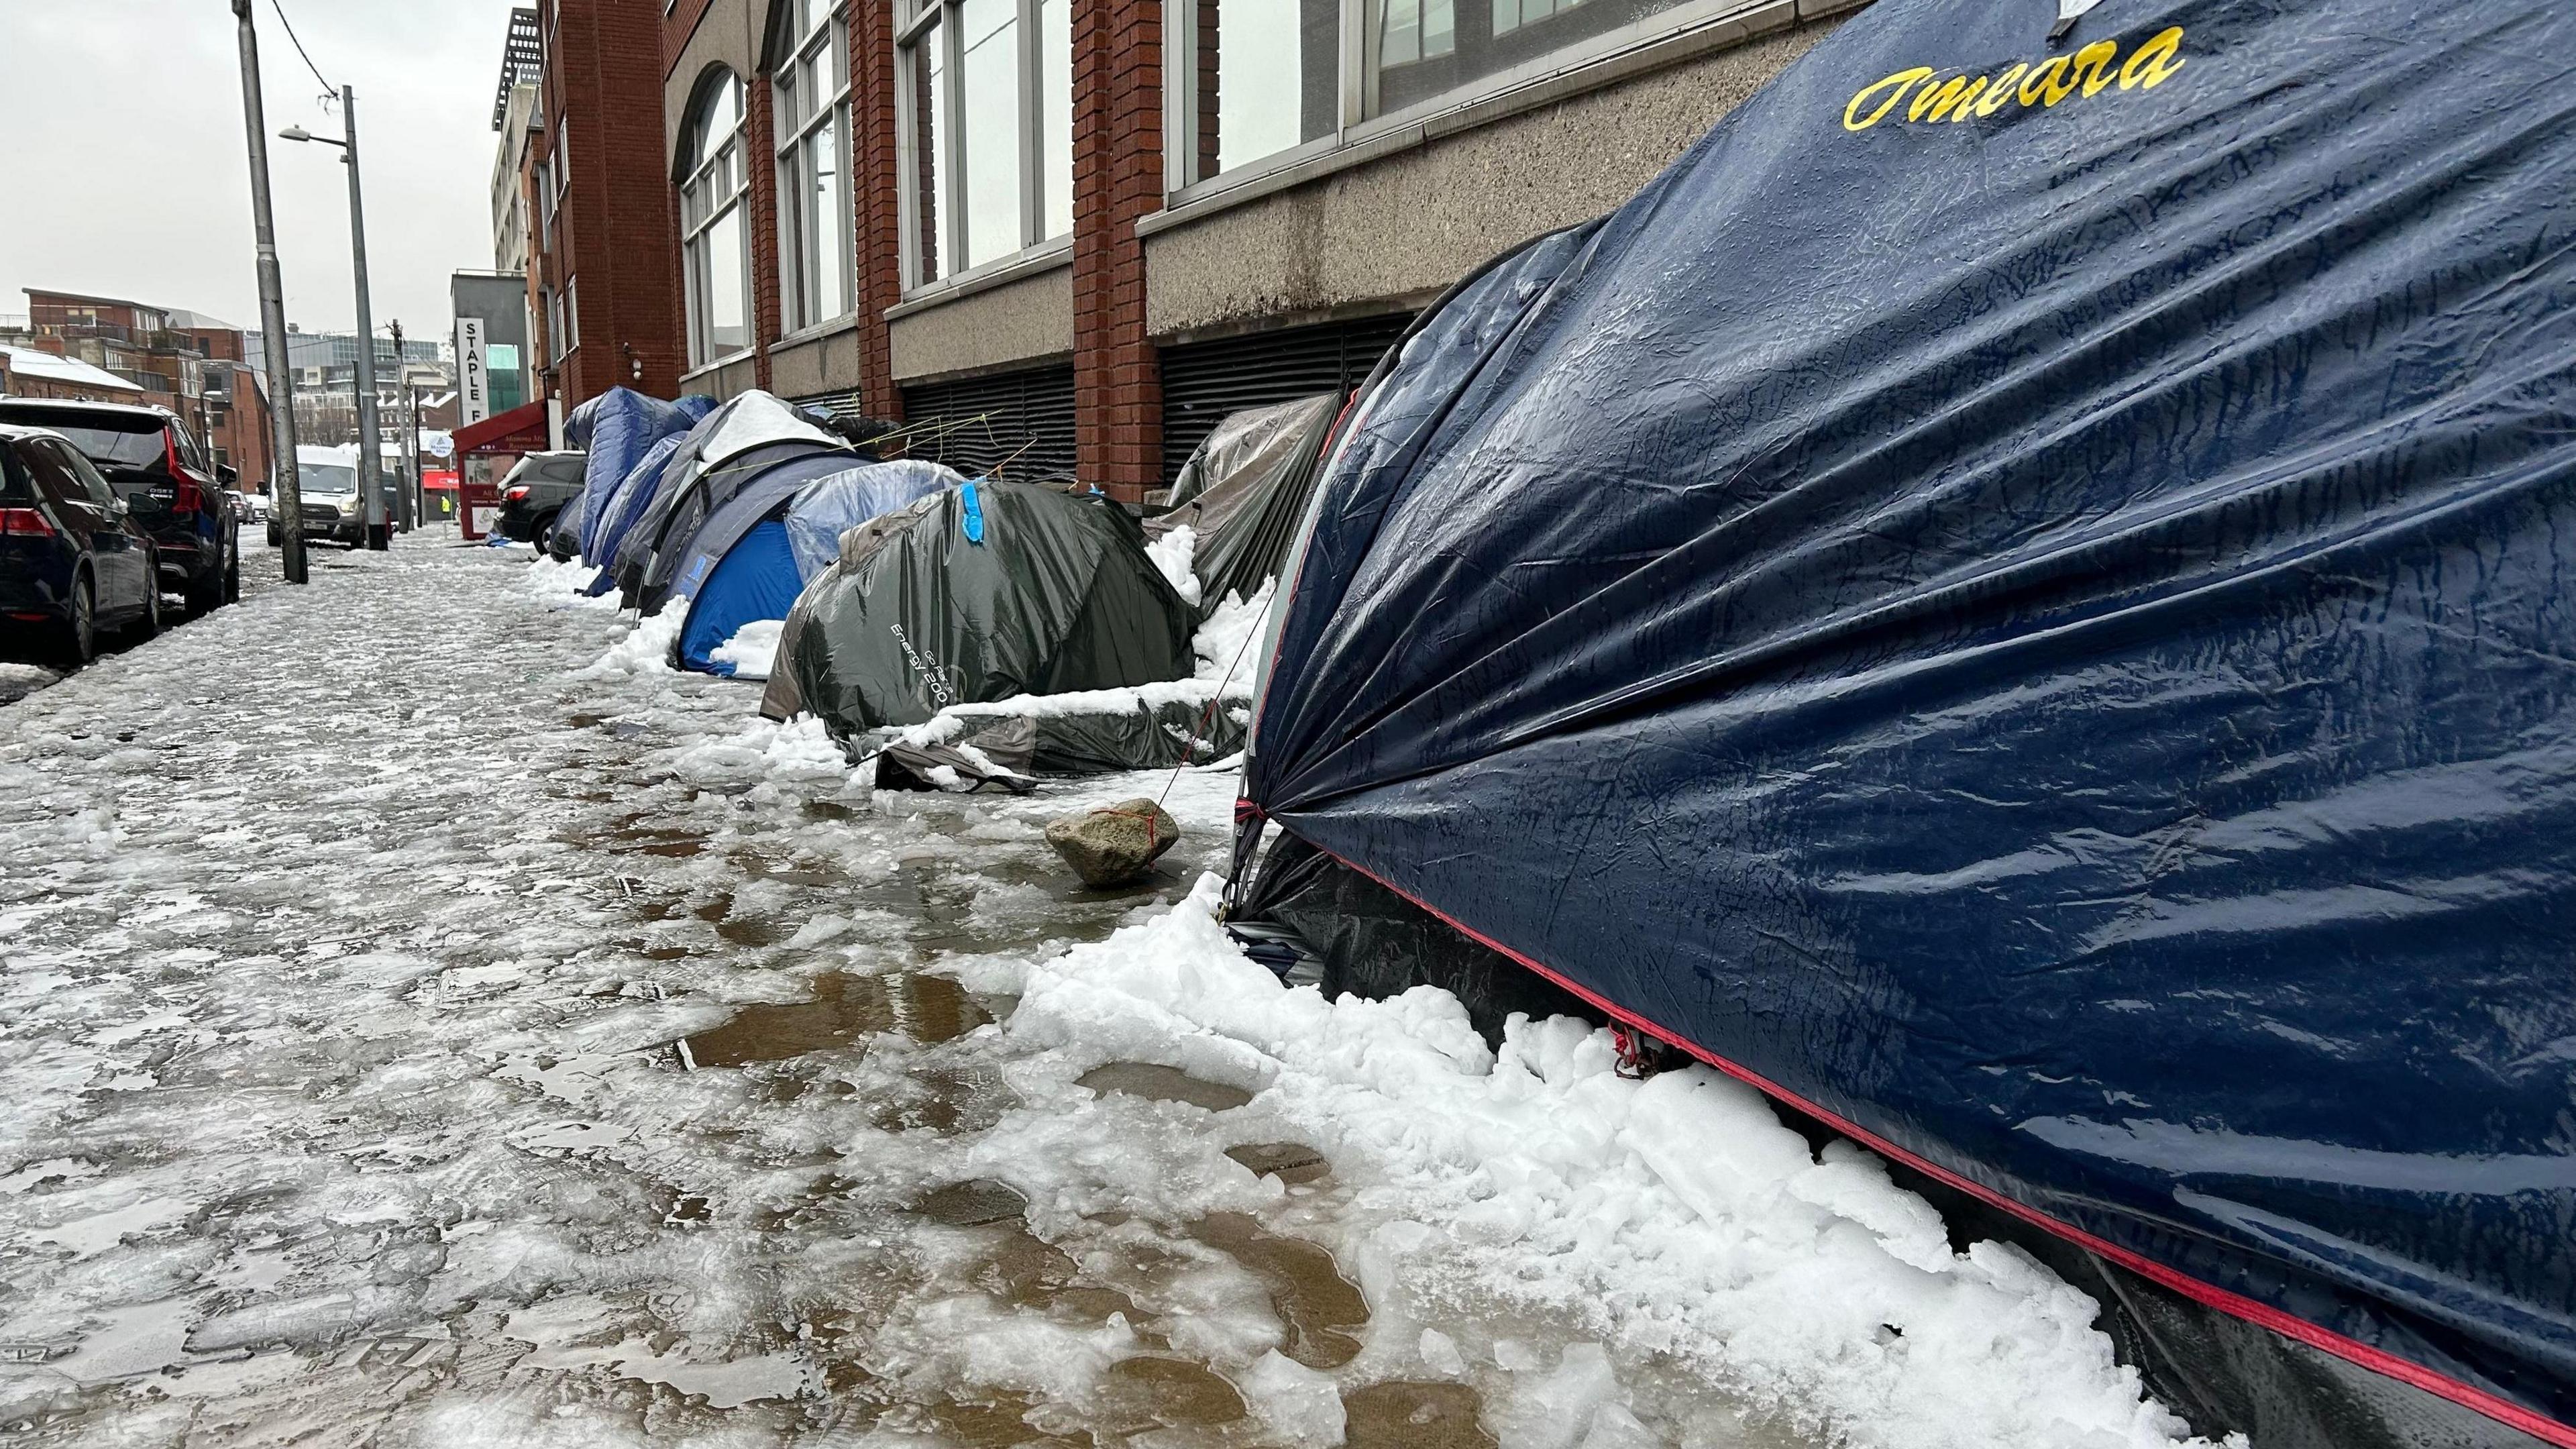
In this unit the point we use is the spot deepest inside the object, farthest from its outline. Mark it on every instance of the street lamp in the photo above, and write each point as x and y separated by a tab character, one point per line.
272	312
379	535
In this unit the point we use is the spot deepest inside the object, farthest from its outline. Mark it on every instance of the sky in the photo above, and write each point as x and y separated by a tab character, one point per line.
126	171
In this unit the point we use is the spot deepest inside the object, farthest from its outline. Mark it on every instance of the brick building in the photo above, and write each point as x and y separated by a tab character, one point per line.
138	353
1073	234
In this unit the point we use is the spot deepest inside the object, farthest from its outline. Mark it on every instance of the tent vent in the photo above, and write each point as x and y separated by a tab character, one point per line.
1203	382
1024	419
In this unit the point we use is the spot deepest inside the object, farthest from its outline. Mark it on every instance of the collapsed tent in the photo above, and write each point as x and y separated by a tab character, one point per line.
752	439
1244	490
981	593
755	554
2018	599
616	430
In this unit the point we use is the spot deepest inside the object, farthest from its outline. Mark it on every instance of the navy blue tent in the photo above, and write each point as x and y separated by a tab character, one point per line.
752	556
616	430
2021	598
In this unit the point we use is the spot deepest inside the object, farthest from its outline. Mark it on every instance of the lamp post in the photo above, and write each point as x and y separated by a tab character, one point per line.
272	313
370	476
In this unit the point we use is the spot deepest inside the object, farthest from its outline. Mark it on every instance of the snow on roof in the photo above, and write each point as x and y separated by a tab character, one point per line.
187	321
28	362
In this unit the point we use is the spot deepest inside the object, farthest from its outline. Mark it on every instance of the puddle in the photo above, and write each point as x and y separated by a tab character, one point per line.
1166	1393
1290	1162
1312	1296
1413	1416
845	1010
945	1100
971	1204
1162	1084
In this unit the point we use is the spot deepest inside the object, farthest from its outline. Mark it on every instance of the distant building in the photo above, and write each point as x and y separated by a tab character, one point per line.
109	349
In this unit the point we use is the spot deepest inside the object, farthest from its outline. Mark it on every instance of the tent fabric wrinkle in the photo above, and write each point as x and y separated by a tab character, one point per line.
2052	618
1245	490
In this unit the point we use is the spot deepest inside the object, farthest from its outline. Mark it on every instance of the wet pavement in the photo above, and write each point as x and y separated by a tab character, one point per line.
425	1026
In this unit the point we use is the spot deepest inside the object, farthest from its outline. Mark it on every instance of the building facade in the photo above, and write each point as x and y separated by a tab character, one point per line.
1068	236
194	365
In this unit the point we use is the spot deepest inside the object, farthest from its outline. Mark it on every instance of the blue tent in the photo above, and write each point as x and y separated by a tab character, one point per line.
2021	598
753	556
616	430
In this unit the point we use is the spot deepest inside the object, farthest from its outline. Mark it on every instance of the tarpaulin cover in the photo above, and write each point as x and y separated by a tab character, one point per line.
2024	595
829	507
1058	597
1244	491
616	429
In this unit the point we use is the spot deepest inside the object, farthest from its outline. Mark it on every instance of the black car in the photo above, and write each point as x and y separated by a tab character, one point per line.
168	482
73	558
536	492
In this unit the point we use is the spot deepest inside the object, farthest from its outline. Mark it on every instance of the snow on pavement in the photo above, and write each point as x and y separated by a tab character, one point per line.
429	1020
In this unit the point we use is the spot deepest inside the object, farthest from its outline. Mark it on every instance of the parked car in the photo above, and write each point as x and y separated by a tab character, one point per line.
535	492
73	557
167	481
326	490
247	507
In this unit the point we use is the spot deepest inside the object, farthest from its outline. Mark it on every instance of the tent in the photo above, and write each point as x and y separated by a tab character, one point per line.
2021	598
741	442
616	430
1243	492
979	593
753	556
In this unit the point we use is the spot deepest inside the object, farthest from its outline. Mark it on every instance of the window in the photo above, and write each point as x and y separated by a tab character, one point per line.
711	222
1424	48
1256	79
814	211
1260	77
545	209
988	133
571	332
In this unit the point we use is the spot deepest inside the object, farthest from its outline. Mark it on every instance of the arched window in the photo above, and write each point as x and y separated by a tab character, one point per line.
712	183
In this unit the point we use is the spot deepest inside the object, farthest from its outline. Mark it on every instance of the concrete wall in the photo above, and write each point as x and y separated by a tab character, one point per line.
1406	226
810	365
1022	321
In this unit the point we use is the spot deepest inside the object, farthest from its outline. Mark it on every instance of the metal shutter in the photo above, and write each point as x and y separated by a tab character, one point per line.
1021	422
1205	381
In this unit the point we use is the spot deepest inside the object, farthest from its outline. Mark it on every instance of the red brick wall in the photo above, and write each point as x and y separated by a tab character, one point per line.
760	159
878	241
1117	178
616	237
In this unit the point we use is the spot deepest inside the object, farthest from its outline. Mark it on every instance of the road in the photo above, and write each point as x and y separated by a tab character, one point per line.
426	1021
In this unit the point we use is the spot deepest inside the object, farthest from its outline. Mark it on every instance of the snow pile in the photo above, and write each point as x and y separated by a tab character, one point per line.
800	751
1171	556
646	648
562	585
1224	671
753	650
1676	1219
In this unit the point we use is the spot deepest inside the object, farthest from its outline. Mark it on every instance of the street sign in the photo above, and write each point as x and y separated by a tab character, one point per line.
474	392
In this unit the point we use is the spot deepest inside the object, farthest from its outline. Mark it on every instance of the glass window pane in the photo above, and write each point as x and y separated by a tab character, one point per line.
826	251
1269	78
930	180
1431	47
1055	91
726	331
989	106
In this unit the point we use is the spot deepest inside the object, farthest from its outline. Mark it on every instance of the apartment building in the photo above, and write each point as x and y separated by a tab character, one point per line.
1074	234
194	365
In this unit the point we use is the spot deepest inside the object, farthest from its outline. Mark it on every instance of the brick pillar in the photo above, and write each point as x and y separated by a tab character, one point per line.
877	242
760	159
1117	178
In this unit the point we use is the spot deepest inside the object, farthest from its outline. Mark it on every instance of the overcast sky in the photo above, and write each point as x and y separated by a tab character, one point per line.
124	171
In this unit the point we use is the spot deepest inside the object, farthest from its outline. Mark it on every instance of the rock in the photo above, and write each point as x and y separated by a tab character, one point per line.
1114	845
